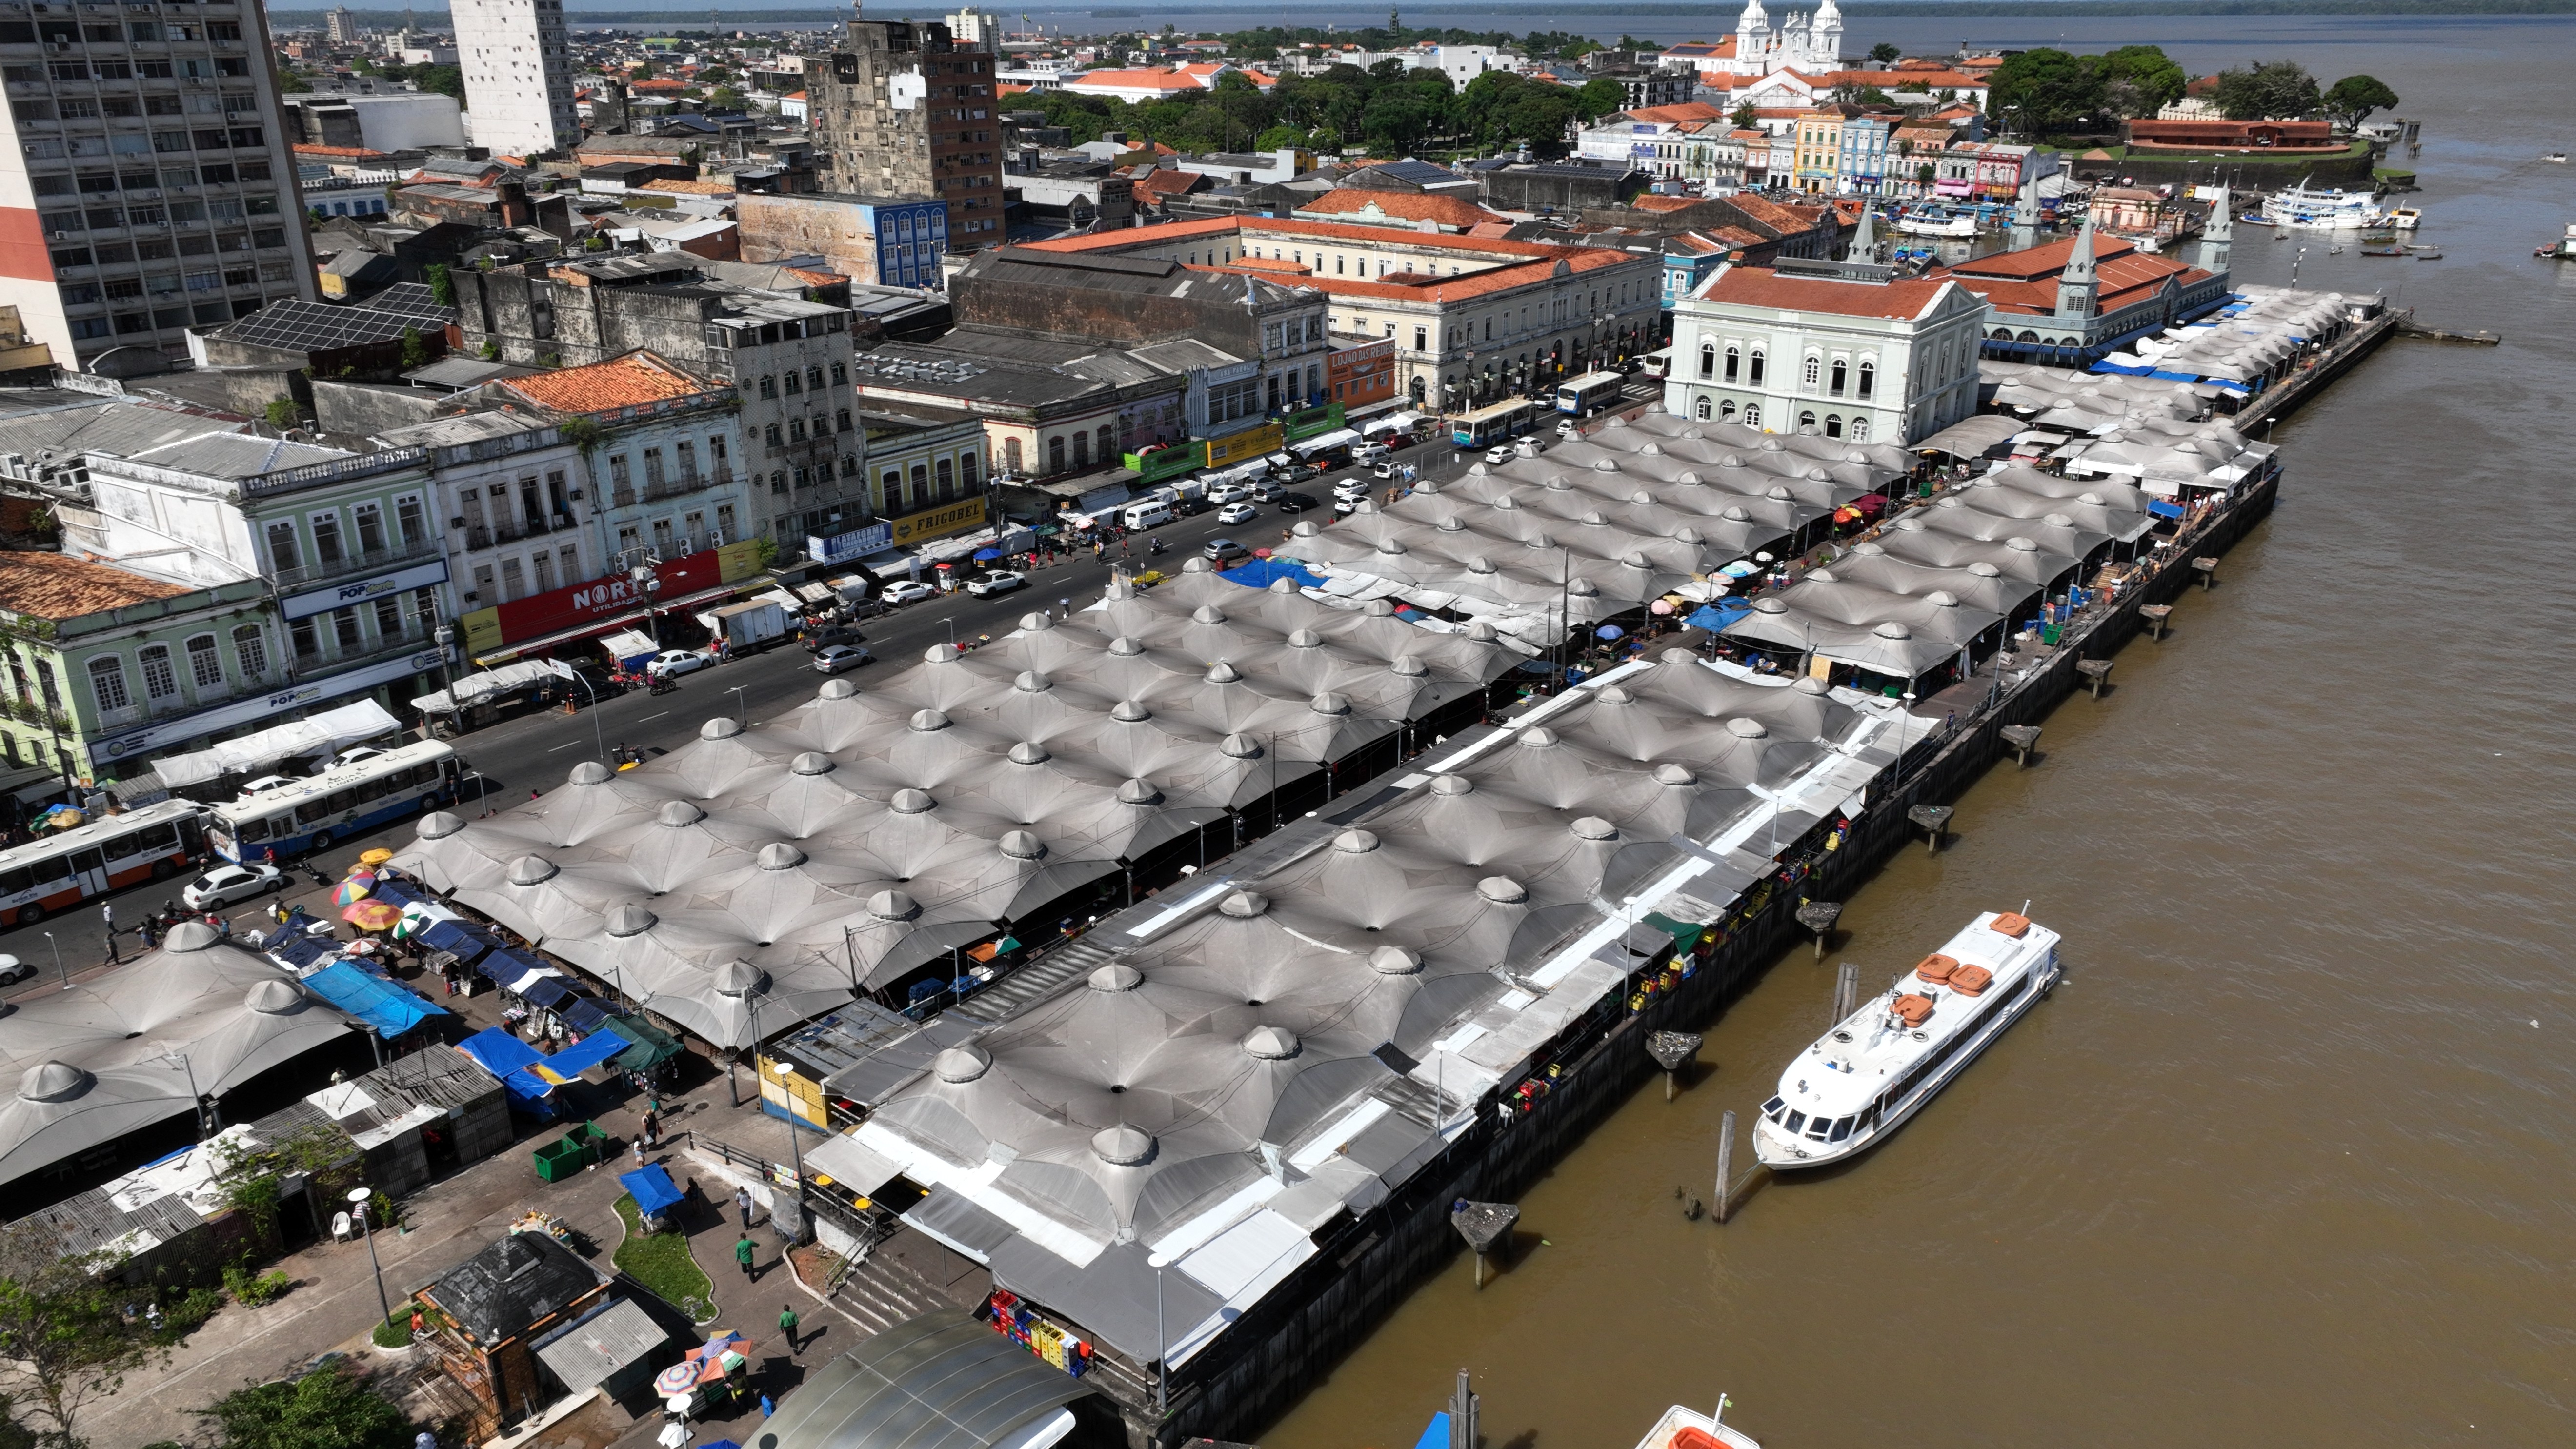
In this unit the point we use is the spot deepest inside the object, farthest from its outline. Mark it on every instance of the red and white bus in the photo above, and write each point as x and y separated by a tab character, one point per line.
45	877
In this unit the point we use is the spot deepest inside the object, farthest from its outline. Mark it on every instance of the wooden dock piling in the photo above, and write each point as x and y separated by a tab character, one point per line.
2094	671
2156	616
1725	1162
1933	821
2207	568
1846	992
1819	917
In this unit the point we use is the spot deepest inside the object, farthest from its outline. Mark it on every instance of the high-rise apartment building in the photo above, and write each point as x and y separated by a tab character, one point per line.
518	74
907	110
341	26
147	186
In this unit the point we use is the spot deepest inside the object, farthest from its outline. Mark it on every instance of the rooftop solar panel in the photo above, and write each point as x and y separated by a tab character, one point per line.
314	327
411	297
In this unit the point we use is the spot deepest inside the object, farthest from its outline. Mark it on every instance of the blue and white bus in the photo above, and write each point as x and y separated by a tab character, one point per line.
1578	396
345	800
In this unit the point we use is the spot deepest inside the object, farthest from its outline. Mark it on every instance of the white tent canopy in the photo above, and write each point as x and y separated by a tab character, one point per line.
320	734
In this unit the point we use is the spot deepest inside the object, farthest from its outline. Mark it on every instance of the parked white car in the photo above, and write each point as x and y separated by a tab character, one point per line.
910	591
227	884
671	663
1234	513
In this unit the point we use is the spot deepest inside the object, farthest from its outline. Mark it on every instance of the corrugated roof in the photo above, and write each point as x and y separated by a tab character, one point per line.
500	1291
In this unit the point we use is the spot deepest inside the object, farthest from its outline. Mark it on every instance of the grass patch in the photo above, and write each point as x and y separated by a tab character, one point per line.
394	1332
661	1262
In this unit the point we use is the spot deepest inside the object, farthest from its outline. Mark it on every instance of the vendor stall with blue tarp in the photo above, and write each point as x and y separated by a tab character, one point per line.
531	1077
390	1008
654	1194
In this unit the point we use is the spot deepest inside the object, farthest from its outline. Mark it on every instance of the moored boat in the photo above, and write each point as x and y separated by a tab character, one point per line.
2320	208
1878	1066
1682	1427
1937	221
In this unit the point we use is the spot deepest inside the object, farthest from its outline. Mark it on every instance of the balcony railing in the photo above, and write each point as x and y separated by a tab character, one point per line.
478	536
360	562
676	487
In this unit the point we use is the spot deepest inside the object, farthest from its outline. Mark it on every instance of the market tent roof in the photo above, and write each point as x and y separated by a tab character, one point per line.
868	833
104	1057
390	1008
320	734
940	1381
1971	437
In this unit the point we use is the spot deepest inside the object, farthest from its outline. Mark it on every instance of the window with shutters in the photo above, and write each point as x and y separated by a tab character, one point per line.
107	682
252	650
205	665
159	682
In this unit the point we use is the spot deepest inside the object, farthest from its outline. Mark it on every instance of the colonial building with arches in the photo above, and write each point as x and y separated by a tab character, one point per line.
1832	349
2073	301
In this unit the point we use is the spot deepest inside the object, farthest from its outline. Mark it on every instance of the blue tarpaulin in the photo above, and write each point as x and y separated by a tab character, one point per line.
299	950
395	892
389	1008
513	1061
2165	508
507	965
546	991
467	941
1259	573
653	1190
582	1014
581	1056
1716	616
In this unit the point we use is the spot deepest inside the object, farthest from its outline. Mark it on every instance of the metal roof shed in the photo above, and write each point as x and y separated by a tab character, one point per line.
940	1381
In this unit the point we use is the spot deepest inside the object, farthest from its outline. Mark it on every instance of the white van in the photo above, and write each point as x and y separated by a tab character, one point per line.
1145	515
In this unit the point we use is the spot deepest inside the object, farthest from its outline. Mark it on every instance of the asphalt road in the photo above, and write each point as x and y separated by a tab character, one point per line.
534	751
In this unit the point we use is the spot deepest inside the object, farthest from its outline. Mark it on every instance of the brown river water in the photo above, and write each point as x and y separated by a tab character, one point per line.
2287	1161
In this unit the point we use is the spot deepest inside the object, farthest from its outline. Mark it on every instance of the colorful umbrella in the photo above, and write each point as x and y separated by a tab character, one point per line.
413	922
1846	514
372	915
377	856
679	1378
353	890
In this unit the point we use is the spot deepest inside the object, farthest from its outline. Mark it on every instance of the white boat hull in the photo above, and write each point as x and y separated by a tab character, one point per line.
1956	226
1777	1150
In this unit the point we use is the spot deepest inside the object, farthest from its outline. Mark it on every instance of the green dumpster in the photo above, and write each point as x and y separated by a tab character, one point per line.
571	1153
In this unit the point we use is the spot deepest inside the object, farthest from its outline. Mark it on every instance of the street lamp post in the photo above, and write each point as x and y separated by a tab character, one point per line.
358	1197
59	967
738	713
596	737
1162	1338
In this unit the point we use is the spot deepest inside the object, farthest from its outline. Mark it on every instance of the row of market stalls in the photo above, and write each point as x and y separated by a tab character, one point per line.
2257	339
1601	526
1145	1156
873	839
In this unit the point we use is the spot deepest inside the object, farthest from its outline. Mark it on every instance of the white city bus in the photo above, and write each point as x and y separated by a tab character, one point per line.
342	801
58	872
1578	396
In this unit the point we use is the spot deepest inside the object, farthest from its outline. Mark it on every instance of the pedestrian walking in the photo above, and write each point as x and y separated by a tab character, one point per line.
742	1200
742	1251
766	1407
787	1326
639	1149
652	1129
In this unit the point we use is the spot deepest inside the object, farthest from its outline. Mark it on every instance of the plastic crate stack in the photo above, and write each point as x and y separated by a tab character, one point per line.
1017	1322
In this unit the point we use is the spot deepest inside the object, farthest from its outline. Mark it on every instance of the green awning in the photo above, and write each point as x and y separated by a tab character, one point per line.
1684	933
652	1046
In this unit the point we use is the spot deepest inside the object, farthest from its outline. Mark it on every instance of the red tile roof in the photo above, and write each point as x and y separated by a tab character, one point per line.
352	153
1440	207
56	586
1675	114
1762	287
621	382
1652	202
2025	282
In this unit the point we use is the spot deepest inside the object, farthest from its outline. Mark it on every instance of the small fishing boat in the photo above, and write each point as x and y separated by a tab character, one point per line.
2427	254
2556	158
2564	249
2383	251
1688	1428
1937	221
1878	1066
2401	218
2336	250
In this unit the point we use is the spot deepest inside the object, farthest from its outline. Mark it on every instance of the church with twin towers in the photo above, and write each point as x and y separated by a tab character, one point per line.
1810	45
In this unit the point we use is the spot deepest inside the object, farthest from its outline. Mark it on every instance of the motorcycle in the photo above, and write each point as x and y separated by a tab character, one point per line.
662	684
1154	547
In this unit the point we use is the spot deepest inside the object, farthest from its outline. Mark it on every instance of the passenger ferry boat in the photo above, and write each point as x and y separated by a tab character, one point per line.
1687	1428
1937	221
1877	1067
2321	208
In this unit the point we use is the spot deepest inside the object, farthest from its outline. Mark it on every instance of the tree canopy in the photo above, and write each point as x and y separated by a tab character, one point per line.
2040	92
1389	108
2352	99
64	1339
2268	90
330	1408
